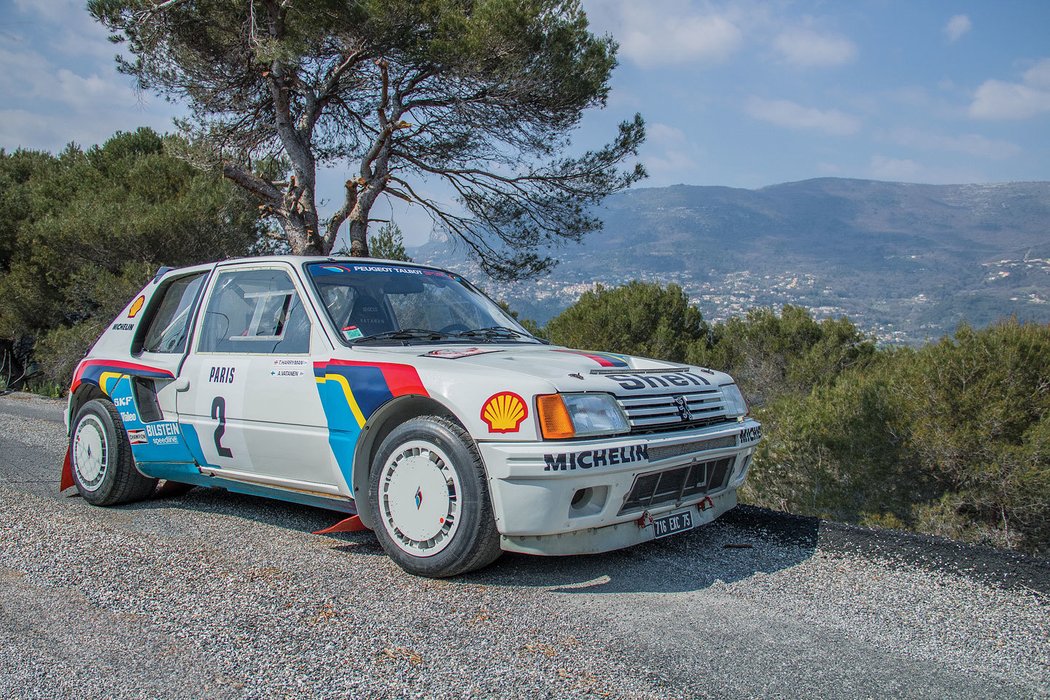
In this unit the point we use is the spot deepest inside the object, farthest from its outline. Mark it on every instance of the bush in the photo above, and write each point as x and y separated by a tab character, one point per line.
80	232
636	319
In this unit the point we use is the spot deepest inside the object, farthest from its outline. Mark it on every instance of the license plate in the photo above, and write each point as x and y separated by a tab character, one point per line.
670	524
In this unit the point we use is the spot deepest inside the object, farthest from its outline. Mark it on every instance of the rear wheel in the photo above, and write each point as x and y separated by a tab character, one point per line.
429	500
100	455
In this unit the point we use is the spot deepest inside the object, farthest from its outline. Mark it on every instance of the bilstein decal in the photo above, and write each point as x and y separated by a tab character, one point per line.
592	459
504	412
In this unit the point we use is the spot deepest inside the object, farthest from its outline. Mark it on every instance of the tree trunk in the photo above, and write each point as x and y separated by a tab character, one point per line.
359	238
299	239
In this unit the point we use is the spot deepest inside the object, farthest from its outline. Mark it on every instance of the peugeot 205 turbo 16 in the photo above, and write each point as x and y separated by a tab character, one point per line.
403	397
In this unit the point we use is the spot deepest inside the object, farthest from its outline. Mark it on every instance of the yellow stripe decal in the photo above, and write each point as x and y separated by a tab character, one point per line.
354	408
103	380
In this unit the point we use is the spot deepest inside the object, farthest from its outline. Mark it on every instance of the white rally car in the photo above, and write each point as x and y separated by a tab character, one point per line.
403	397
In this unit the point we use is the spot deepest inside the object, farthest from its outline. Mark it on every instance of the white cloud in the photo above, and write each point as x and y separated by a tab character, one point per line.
666	155
59	82
969	144
807	48
88	92
664	134
795	116
956	27
908	170
1038	76
996	99
674	33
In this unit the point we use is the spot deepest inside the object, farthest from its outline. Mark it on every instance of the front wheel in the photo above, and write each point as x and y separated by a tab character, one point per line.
100	455
429	500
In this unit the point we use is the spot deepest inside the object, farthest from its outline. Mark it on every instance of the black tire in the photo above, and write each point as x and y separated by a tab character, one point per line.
418	455
103	468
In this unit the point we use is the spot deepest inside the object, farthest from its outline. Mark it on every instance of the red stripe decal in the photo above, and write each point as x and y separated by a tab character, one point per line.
400	379
115	364
597	358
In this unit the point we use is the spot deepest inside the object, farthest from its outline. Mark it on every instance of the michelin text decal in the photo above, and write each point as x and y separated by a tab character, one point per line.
564	461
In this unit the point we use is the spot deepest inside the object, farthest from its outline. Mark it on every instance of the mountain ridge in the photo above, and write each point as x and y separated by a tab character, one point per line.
905	261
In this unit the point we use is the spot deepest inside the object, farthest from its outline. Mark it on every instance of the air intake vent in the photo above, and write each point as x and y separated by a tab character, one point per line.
677	485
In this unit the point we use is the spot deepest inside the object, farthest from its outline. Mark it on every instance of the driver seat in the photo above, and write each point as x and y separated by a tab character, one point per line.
370	316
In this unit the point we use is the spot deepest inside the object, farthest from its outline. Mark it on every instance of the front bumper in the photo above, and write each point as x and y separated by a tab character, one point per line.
582	496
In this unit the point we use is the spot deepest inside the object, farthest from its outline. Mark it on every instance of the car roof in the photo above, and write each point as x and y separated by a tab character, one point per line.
290	259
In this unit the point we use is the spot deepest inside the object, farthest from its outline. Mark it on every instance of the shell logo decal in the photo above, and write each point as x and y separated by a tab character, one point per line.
504	412
136	306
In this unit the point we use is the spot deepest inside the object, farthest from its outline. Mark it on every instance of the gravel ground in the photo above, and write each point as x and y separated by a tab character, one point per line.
213	594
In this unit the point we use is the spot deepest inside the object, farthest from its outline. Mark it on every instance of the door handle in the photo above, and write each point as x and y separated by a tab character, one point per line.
181	384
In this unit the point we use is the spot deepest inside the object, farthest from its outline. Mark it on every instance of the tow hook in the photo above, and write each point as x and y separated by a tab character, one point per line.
644	520
705	504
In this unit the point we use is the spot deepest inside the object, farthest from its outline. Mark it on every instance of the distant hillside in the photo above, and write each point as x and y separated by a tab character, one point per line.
904	261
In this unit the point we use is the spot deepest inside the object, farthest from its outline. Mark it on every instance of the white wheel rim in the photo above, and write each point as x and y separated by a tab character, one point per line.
90	452
419	498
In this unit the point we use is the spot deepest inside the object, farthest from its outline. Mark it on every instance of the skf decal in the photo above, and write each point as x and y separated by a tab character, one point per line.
136	306
632	382
605	359
590	459
504	412
751	434
221	375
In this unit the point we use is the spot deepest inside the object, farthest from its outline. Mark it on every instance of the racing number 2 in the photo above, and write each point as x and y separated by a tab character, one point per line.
218	412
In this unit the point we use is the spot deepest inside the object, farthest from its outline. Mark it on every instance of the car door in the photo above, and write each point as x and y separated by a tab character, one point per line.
252	399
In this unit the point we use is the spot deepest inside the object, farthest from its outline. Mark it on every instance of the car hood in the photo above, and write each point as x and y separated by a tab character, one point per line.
566	369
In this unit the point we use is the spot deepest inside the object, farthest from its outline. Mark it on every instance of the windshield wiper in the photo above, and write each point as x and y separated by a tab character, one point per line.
495	333
402	334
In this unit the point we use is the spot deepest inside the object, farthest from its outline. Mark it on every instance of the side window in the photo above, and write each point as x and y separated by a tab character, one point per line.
255	311
169	315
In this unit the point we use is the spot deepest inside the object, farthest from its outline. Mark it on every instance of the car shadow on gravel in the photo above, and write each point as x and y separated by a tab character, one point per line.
745	542
265	511
727	550
749	541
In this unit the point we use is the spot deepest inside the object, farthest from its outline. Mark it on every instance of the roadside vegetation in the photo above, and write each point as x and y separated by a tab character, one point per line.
951	439
81	231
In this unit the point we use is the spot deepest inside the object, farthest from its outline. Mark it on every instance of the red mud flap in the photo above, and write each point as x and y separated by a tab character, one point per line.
67	472
351	524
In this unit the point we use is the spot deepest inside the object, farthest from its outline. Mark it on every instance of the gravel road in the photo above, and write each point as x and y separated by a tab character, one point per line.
217	595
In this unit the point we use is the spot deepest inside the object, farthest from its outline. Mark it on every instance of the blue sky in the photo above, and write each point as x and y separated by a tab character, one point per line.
735	93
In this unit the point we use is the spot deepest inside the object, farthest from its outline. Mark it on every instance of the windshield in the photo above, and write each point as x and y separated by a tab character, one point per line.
390	304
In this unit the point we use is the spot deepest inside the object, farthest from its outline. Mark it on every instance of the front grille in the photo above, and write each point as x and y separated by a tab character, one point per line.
649	414
677	485
668	451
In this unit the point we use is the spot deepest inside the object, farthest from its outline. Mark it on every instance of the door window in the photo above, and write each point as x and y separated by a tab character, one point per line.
169	315
255	311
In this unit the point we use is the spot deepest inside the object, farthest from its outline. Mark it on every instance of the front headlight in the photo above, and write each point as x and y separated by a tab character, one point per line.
579	415
735	404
